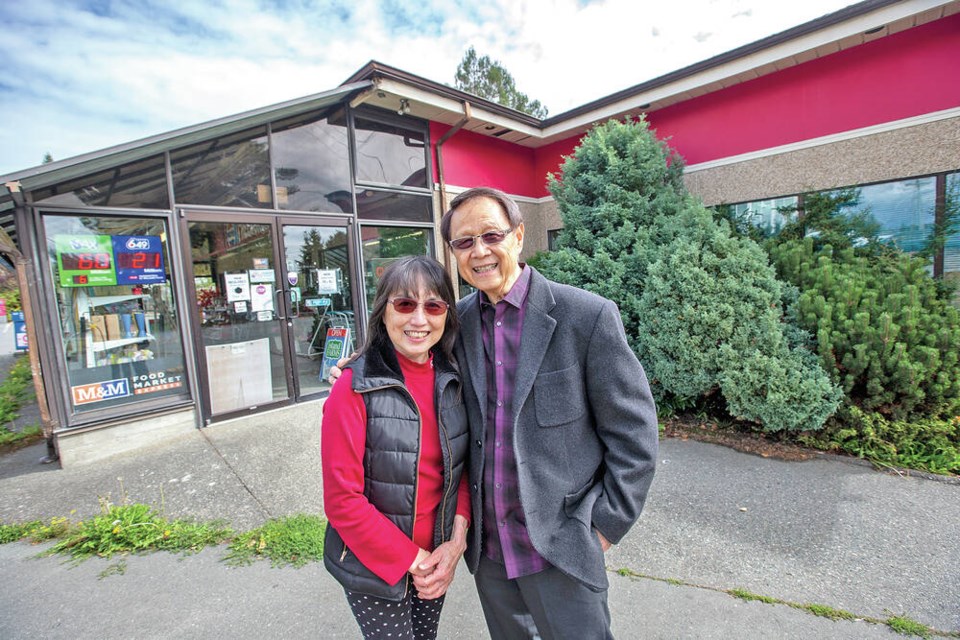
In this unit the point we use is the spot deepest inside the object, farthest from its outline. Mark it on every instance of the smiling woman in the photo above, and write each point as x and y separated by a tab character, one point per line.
393	448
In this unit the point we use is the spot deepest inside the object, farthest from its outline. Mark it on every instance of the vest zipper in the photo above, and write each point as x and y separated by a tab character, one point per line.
416	478
448	462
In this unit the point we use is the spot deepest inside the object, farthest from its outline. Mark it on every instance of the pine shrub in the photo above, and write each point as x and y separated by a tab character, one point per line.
702	308
884	330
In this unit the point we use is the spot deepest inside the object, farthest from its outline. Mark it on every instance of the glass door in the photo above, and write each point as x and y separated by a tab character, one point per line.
318	294
240	318
274	296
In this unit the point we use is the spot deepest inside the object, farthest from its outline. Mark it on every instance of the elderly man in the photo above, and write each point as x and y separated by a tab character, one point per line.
563	430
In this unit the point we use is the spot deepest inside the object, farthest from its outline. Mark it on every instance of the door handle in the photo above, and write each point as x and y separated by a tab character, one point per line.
277	316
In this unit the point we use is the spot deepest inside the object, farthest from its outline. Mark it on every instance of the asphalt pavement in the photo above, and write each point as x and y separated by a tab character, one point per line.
827	531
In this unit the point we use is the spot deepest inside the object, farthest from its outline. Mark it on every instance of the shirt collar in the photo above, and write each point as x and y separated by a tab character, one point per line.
518	292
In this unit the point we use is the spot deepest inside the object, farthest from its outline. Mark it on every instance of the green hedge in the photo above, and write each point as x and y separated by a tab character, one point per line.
701	307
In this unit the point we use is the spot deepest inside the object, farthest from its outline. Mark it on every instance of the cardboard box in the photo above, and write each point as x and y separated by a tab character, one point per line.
97	328
113	326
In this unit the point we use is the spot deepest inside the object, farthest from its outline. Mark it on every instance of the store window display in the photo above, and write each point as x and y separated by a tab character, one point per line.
117	313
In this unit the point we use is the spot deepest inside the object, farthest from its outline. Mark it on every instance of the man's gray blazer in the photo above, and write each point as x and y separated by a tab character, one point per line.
585	426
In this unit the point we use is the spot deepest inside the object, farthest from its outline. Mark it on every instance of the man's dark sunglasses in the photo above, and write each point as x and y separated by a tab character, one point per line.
488	238
407	306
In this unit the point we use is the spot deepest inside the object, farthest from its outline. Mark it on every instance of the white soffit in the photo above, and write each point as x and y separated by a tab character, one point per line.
478	113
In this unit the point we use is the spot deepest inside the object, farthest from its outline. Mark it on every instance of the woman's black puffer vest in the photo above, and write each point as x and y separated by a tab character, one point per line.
391	457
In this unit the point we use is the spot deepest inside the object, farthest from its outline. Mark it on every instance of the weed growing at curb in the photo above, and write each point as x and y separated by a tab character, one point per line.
743	594
900	624
36	530
907	627
135	528
294	540
824	611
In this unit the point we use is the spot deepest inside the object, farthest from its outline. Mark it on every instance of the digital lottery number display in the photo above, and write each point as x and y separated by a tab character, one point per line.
90	261
85	261
139	259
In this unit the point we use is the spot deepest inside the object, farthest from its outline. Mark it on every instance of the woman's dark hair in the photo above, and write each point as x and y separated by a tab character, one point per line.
406	277
509	207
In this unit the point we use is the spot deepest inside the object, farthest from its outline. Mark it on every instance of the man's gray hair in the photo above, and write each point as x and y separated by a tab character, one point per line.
509	207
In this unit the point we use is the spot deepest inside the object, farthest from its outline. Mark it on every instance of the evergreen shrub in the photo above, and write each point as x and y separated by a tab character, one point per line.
884	332
701	307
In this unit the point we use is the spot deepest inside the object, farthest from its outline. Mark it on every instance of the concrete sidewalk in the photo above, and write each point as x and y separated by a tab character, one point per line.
826	531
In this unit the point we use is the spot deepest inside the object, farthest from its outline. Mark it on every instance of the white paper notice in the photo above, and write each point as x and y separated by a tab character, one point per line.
238	286
327	281
261	297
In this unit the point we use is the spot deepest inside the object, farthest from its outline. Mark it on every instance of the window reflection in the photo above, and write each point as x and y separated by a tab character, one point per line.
951	252
140	185
387	154
311	164
383	205
770	216
232	171
905	210
383	245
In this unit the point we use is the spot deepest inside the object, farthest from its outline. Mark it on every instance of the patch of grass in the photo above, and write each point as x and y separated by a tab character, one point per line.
27	435
15	390
14	532
824	611
36	530
908	627
931	444
135	528
294	540
743	594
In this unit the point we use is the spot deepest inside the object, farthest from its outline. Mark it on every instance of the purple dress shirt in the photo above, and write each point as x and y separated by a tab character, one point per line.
504	524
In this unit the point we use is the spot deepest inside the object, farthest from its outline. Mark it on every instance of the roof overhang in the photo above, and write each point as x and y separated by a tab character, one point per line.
77	166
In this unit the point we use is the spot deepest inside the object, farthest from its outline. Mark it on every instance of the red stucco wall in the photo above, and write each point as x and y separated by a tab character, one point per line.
907	74
471	160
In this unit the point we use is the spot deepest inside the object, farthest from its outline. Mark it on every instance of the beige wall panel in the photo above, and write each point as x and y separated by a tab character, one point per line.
891	155
538	218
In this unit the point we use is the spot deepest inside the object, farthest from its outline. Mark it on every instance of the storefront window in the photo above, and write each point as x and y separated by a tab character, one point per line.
233	171
140	185
951	252
116	309
387	154
904	210
311	164
383	245
769	216
383	205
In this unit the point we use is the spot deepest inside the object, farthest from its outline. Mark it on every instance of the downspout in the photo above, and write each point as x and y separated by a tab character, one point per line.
444	202
24	277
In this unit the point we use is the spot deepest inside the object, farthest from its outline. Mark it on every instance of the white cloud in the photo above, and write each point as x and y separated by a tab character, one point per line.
76	80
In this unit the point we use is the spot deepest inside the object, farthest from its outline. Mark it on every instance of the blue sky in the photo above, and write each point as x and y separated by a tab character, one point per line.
82	75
